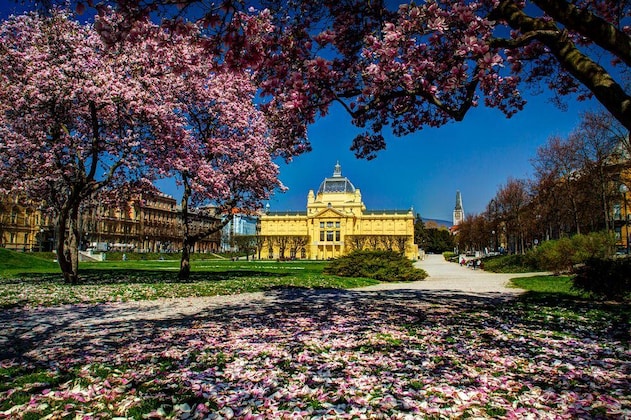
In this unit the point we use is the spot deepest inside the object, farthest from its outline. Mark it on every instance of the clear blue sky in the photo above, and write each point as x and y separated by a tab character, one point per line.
423	170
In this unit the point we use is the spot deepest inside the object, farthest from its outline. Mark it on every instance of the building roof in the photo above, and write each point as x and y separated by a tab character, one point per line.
337	183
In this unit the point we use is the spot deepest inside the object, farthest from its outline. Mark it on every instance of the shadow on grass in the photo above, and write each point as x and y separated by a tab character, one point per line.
137	276
93	330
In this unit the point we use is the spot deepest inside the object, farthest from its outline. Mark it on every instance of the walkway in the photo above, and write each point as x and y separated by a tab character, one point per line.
452	277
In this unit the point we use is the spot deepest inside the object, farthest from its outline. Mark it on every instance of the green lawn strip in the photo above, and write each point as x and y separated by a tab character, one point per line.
551	303
150	280
13	263
547	284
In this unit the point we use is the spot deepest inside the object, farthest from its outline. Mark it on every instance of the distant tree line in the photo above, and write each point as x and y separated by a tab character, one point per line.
294	246
432	239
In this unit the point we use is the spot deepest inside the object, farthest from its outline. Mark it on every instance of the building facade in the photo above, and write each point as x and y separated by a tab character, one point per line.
335	223
239	225
24	226
149	223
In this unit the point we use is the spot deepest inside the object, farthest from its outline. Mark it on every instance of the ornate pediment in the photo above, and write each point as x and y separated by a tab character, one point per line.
330	212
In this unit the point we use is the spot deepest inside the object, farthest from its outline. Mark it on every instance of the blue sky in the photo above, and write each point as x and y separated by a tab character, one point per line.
423	170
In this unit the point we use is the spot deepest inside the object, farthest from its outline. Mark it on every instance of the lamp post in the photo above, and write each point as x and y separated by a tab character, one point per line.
624	190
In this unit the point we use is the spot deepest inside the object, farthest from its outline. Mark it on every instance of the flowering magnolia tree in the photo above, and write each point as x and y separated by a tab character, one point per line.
71	119
223	145
427	64
83	112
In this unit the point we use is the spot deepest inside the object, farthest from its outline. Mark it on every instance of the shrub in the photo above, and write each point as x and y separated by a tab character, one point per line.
450	256
516	263
605	278
563	254
379	265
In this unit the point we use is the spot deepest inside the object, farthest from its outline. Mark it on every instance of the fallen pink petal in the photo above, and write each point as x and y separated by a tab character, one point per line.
301	353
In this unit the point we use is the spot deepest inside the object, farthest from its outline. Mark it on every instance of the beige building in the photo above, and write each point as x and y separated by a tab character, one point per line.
335	223
23	225
150	223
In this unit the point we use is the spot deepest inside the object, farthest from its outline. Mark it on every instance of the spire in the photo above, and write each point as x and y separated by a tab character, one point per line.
458	210
337	172
458	201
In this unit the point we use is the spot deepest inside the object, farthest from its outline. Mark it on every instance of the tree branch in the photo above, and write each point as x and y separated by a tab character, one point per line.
585	70
601	32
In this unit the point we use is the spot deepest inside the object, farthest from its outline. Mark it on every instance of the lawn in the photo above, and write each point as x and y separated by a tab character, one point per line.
313	352
26	280
551	286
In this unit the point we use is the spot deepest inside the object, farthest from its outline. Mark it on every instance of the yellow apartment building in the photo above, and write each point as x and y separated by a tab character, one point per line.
335	223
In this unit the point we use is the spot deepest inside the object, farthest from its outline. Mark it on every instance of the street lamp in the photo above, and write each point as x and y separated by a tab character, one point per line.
624	190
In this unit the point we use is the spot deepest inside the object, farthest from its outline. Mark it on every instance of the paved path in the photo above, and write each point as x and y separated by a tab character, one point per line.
452	277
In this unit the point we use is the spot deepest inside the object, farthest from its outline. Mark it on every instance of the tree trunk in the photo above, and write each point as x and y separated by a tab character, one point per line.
67	244
60	248
587	71
185	262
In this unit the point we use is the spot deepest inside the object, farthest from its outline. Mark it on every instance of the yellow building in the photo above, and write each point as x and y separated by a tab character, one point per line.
336	222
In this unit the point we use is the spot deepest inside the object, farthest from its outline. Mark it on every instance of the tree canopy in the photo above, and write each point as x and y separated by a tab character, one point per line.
424	64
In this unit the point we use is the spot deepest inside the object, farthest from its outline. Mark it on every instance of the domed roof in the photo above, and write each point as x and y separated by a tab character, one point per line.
337	183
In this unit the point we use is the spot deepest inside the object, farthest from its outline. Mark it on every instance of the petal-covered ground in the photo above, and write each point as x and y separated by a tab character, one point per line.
322	354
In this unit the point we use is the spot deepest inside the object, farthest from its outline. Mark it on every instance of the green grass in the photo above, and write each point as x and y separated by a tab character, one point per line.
548	286
13	263
26	280
553	305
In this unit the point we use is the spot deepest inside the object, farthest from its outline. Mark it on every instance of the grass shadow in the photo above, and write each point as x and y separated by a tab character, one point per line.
140	276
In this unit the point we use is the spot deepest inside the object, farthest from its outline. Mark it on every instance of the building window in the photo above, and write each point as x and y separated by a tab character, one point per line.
329	236
337	235
329	224
321	236
321	225
337	225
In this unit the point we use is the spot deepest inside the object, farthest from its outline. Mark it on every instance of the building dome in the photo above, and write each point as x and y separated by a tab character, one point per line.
337	183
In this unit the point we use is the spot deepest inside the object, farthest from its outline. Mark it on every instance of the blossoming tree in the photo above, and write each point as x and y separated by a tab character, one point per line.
222	152
82	112
70	119
429	63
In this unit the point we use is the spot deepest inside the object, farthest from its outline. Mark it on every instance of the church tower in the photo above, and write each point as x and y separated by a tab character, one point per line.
458	210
